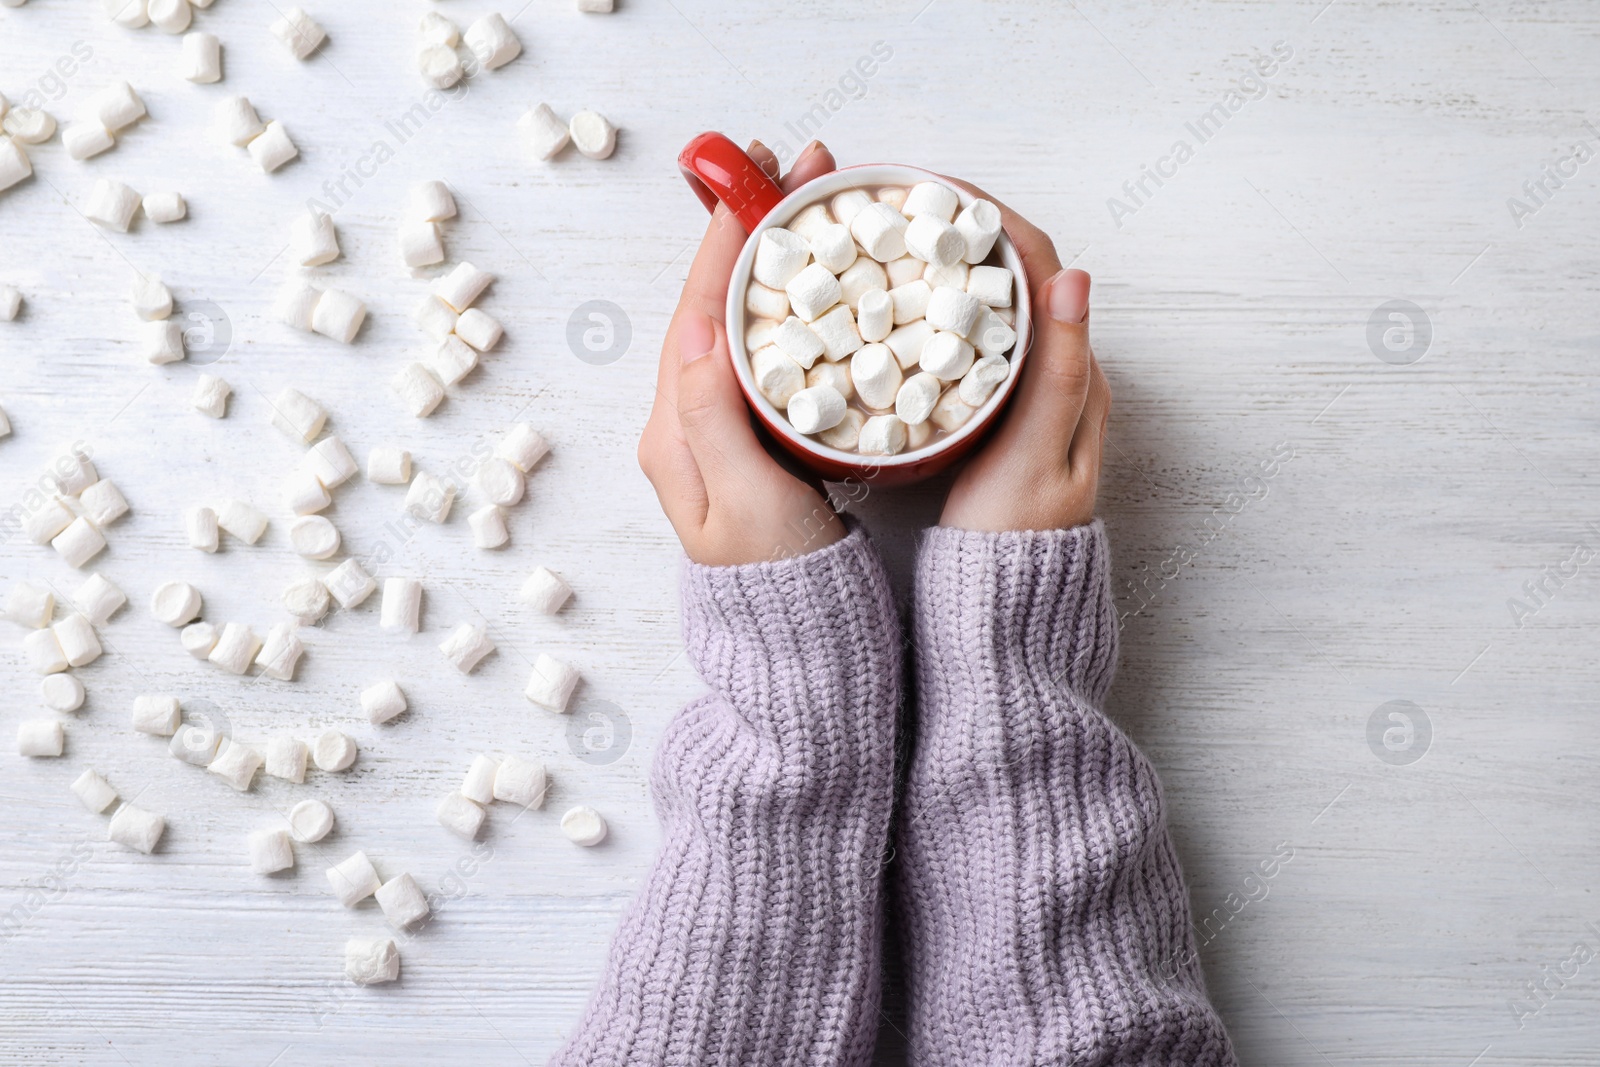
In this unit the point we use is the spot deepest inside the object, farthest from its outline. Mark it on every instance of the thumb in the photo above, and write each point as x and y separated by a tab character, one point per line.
1055	382
712	410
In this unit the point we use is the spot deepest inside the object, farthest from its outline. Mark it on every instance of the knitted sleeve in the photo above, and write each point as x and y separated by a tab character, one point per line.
1045	916
754	939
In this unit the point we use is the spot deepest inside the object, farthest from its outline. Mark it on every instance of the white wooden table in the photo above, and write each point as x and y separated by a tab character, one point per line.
1269	619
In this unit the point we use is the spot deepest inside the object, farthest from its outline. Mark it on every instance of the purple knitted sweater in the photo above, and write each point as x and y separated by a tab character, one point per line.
1044	915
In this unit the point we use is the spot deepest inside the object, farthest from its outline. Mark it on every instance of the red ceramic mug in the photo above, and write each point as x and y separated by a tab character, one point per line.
718	170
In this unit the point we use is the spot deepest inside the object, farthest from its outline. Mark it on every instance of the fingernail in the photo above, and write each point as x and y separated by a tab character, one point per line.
696	337
1067	296
753	145
809	149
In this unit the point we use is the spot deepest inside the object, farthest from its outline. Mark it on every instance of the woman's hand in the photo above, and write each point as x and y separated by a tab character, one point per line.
1041	466
729	501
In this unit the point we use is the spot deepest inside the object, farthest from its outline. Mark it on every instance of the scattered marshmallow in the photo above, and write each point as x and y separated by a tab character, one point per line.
238	122
202	57
480	330
584	826
350	584
94	792
161	342
194	744
464	284
210	396
273	148
551	684
338	315
382	701
982	379
83	140
432	201
389	466
307	599
420	244
50	519
10	296
270	851
402	901
545	591
488	526
79	542
434	318
429	497
298	415
156	713
466	646
330	462
500	481
172	16
453	360
116	106
40	738
295	304
313	537
280	652
112	204
103	503
402	605
239	519
460	816
303	494
593	135
286	759
520	782
492	41
299	32
371	961
77	639
333	751
312	240
418	389
478	786
236	648
236	764
175	603
439	65
523	446
353	880
29	125
200	526
30	605
136	828
934	241
44	652
310	821
61	692
544	134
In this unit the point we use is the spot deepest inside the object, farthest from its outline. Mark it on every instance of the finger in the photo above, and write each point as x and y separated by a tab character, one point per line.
814	162
1049	401
716	423
1037	250
1089	439
765	158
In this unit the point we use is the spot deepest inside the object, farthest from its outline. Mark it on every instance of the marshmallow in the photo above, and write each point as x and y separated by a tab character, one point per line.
372	961
420	245
298	415
313	537
593	135
195	745
237	120
310	821
61	692
492	41
780	255
198	639
478	329
132	14
488	526
439	65
82	140
846	433
453	360
776	375
931	198
919	435
103	503
859	278
308	599
464	284
73	473
280	652
876	375
382	702
402	901
270	851
236	764
429	497
136	828
200	526
98	599
990	285
875	315
460	816
29	125
934	241
303	494
523	446
910	301
952	309
94	792
543	133
286	759
979	225
112	204
338	315
905	269
44	652
115	106
848	204
518	781
236	648
597	7
955	275
312	240
818	408
813	291
766	303
273	148
500	481
432	201
175	603
402	603
40	738
882	435
202	58
833	247
77	639
210	396
349	584
881	231
239	519
916	398
79	542
834	375
389	466
10	297
14	167
478	786
584	826
333	751
161	341
892	195
295	304
545	591
156	713
299	32
330	462
947	355
419	391
991	334
30	605
353	880
551	683
758	334
170	15
984	377
466	646
837	329
52	517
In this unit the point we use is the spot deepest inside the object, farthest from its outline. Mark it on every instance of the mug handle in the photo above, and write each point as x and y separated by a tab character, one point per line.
717	169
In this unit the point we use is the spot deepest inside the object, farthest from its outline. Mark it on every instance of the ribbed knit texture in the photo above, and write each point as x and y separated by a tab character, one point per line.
754	941
1045	918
